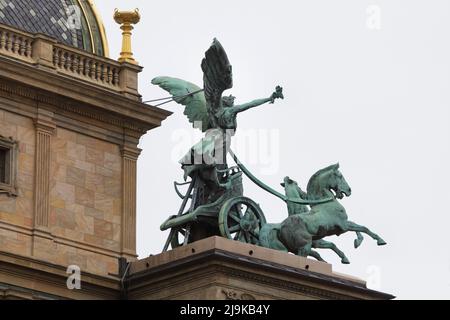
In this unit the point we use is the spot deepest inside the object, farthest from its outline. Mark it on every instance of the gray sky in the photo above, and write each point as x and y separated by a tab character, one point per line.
371	94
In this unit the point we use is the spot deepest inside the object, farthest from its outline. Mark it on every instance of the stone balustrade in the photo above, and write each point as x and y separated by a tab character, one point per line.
15	43
86	66
43	51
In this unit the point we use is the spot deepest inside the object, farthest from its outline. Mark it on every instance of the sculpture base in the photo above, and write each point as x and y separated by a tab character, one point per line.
218	269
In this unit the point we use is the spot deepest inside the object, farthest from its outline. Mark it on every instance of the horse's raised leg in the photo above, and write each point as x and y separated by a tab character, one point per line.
305	250
351	226
308	251
359	239
316	255
323	244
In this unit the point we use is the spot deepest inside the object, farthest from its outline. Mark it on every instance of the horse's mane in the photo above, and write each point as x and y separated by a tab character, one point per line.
316	175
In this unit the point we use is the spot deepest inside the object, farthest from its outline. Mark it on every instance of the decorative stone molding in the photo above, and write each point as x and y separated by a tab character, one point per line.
306	290
62	104
233	295
62	240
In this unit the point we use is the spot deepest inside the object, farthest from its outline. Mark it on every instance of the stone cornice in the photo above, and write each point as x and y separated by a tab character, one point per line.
60	105
74	95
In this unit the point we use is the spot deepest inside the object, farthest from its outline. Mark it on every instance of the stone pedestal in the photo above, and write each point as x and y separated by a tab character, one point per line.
219	269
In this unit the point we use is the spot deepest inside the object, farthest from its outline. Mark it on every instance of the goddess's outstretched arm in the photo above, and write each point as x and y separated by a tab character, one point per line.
253	104
278	94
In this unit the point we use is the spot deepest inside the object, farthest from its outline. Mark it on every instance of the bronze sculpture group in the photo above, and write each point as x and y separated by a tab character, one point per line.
217	205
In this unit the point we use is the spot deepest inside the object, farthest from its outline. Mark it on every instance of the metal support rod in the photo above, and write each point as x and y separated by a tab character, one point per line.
173	98
180	212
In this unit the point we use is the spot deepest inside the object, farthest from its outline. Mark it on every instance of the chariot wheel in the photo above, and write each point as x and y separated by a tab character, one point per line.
241	219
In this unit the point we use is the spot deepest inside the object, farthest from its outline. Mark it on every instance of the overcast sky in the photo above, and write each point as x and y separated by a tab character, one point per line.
367	84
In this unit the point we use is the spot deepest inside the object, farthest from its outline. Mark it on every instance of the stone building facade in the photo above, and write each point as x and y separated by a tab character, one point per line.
70	124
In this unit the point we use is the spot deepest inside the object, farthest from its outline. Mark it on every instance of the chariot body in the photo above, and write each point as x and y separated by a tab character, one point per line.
215	209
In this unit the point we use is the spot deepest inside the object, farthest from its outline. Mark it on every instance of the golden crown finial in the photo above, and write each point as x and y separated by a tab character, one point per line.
126	19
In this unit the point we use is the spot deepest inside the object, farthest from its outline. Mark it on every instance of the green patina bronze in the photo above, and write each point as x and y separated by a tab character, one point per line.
305	228
217	205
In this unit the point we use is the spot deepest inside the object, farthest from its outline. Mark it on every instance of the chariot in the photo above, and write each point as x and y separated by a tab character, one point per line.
227	212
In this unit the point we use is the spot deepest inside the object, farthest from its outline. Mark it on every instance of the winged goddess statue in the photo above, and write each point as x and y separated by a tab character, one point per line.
207	109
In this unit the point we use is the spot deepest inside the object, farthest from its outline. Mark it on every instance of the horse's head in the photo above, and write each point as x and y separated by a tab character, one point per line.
330	179
292	190
337	183
288	182
290	187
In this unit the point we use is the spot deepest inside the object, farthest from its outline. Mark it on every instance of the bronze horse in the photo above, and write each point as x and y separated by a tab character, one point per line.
305	229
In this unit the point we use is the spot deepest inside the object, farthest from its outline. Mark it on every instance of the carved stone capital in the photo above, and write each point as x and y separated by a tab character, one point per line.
130	153
44	122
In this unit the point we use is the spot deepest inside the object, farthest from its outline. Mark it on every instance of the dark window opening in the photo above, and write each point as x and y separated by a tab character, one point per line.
8	165
3	165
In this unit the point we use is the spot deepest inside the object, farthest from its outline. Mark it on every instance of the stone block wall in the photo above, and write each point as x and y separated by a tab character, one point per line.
85	199
16	213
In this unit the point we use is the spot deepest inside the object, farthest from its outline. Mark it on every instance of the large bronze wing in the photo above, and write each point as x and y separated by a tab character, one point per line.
217	77
196	109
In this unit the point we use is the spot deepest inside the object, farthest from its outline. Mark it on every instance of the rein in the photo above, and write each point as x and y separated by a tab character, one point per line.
265	187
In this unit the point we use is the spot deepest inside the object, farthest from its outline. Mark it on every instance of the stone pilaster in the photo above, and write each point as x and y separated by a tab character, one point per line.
129	164
45	128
